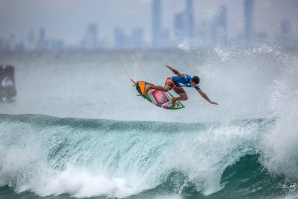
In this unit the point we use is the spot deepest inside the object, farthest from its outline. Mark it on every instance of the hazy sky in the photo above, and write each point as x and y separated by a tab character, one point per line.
68	19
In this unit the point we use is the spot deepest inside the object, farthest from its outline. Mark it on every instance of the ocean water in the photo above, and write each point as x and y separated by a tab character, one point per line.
77	128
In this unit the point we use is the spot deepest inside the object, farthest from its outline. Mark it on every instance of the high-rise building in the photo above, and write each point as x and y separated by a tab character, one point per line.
91	37
184	24
156	23
190	19
248	20
132	39
285	27
222	22
202	39
42	43
31	40
138	35
285	37
219	27
1	44
180	26
120	37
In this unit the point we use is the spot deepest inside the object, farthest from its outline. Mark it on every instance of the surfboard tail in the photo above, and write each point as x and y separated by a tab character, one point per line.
133	81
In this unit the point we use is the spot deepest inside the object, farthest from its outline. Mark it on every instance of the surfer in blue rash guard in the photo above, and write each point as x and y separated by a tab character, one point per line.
176	83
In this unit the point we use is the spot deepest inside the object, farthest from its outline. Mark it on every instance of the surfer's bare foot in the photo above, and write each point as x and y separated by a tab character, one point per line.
173	102
146	89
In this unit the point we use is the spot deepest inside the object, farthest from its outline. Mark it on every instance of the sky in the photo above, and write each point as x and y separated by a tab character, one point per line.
68	19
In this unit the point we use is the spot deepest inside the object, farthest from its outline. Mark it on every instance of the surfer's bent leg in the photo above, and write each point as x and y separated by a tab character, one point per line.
168	86
182	95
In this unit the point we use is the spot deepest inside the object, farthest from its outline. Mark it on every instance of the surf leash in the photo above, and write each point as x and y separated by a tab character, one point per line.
119	59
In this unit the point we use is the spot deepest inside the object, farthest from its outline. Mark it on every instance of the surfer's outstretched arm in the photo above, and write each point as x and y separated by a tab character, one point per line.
206	97
175	71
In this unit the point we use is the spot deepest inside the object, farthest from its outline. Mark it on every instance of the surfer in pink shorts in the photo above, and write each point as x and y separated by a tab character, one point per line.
177	83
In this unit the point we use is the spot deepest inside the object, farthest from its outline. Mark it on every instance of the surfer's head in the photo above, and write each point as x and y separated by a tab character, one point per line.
194	81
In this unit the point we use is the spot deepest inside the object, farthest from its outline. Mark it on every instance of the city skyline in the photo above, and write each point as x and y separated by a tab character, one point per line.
156	22
217	18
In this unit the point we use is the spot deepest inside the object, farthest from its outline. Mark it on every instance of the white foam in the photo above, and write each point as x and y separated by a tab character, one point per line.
281	144
82	184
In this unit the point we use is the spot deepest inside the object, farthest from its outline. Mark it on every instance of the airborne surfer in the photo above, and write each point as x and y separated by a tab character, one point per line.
176	83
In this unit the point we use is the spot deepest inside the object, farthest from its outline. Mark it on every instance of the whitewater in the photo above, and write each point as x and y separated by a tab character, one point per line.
77	128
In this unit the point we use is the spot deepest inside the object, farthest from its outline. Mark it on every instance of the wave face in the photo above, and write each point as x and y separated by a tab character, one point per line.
50	156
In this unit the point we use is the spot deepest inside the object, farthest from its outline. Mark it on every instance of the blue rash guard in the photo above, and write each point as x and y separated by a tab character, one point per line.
184	82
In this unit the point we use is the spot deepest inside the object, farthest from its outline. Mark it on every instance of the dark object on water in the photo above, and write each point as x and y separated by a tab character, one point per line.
7	83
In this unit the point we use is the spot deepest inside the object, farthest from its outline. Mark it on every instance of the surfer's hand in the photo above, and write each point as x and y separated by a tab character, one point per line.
214	103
